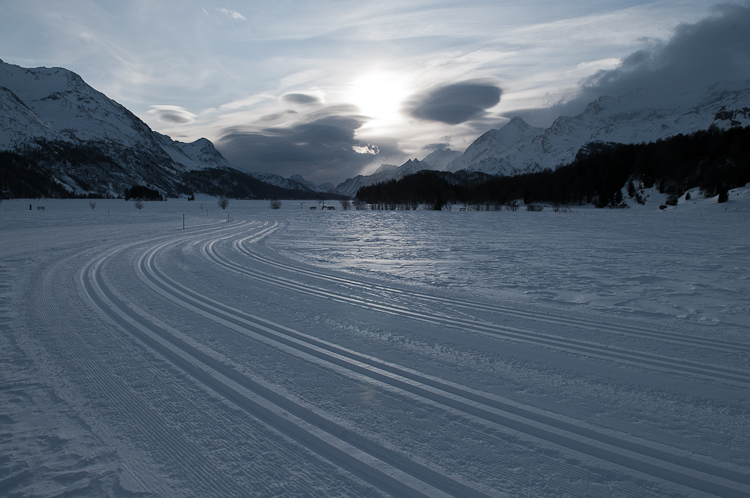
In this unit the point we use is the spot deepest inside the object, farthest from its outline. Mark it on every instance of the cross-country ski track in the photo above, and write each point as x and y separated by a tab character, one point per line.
227	369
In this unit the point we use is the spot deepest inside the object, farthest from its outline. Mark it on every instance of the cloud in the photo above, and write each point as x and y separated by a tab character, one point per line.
716	49
366	149
233	14
439	146
322	148
302	98
454	103
172	114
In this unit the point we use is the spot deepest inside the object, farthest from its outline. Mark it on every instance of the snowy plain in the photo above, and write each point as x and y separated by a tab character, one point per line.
292	352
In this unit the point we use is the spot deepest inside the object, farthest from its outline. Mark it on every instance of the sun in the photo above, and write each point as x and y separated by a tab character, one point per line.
379	95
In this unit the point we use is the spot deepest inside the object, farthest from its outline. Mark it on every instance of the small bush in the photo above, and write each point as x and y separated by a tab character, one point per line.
723	195
223	202
672	200
534	207
275	204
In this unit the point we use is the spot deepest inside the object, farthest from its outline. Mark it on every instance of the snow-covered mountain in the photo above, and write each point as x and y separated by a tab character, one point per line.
286	183
323	188
90	143
439	159
56	105
632	118
384	173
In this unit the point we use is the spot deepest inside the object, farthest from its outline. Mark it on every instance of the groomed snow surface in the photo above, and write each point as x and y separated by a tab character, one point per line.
292	352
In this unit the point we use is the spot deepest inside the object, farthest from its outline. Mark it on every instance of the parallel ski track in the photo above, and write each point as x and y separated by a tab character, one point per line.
241	245
651	361
383	468
650	459
86	360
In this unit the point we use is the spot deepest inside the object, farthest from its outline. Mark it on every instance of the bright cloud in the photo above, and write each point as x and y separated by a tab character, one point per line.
366	149
232	13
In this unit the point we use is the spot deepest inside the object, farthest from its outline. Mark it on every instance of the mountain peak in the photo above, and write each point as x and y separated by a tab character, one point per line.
634	117
516	122
385	167
439	159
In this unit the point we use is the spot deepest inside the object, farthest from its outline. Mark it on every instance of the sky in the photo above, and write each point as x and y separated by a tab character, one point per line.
329	89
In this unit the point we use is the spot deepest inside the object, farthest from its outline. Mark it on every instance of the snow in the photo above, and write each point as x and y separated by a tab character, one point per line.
384	173
632	118
290	352
55	104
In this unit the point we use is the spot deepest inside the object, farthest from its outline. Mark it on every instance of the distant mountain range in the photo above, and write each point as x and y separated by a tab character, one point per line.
636	117
630	119
86	143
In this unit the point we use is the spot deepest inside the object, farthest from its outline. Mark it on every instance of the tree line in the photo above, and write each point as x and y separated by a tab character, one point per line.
714	160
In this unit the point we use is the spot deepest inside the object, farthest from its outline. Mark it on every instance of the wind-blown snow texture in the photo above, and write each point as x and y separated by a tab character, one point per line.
292	352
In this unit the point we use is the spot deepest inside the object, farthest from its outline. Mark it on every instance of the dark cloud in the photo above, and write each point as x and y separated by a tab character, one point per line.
174	117
716	49
276	116
172	114
301	98
434	147
455	103
322	149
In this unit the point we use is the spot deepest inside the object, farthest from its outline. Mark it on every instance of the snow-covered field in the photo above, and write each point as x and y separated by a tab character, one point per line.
292	352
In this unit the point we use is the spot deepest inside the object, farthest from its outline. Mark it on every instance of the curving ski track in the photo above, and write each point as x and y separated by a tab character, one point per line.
714	372
383	467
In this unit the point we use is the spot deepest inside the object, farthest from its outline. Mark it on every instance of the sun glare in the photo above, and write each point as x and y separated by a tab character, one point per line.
379	95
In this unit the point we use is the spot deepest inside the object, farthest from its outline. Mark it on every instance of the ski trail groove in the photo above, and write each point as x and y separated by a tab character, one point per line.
719	345
626	356
381	467
87	362
653	460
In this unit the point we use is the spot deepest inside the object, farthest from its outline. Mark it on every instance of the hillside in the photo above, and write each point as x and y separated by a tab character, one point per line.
60	137
713	161
633	118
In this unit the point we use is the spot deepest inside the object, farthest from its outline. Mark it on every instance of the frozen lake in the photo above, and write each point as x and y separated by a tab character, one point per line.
291	352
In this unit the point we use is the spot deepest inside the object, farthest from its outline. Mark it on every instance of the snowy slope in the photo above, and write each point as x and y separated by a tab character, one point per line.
316	188
632	118
384	173
280	181
55	104
369	354
484	154
70	109
439	159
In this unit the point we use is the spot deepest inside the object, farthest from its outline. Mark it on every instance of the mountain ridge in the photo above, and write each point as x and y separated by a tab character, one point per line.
635	117
92	145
